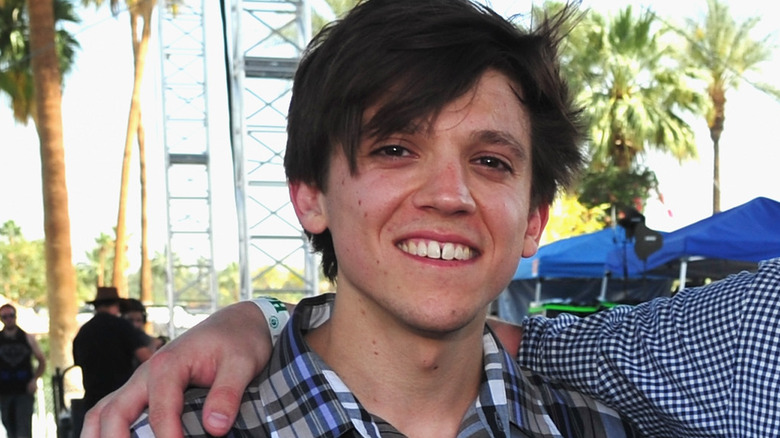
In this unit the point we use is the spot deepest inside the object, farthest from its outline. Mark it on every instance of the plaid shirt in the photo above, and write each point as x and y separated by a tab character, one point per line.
705	363
297	395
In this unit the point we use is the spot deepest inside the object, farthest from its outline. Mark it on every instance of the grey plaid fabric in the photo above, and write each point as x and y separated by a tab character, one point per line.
297	395
704	363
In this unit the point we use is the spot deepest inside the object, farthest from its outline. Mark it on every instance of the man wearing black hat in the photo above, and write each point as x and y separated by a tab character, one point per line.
106	346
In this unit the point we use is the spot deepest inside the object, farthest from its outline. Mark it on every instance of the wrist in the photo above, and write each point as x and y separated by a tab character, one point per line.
275	313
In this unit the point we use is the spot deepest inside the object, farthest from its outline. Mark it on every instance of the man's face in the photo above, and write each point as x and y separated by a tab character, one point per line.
433	224
8	317
136	318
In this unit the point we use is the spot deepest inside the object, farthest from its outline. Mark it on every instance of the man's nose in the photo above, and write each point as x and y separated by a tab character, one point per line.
446	188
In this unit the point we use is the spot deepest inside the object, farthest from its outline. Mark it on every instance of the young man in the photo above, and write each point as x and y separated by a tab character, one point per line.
18	381
703	363
426	140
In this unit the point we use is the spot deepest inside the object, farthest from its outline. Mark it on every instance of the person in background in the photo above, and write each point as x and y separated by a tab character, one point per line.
134	311
18	381
107	348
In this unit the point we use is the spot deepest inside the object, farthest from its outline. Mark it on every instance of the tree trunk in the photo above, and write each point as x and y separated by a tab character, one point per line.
716	175
60	274
716	125
146	267
140	49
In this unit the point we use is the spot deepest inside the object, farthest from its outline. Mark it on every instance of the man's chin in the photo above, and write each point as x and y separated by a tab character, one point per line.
449	328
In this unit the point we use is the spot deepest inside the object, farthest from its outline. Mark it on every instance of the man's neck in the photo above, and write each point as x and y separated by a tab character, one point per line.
421	384
10	332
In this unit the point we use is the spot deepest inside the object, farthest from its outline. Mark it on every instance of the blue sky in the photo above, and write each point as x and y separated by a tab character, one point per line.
96	101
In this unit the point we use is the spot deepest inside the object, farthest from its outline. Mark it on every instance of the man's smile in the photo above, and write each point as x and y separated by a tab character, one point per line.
436	250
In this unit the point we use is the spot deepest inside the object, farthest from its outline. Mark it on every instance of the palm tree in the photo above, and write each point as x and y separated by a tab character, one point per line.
15	71
105	244
30	74
60	274
140	13
633	94
724	49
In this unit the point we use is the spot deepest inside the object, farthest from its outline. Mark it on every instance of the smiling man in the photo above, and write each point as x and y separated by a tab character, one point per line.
427	139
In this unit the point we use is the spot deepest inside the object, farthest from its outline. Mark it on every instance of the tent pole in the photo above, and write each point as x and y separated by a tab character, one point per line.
603	292
683	273
538	297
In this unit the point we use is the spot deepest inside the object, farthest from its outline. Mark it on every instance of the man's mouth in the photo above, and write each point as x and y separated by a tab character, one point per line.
436	250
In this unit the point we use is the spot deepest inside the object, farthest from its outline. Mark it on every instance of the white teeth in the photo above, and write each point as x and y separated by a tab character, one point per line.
436	250
448	252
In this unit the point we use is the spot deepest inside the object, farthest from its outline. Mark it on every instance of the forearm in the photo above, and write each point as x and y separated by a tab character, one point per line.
40	369
666	364
39	357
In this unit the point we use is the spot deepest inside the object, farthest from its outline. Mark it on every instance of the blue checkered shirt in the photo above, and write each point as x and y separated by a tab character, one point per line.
297	395
704	363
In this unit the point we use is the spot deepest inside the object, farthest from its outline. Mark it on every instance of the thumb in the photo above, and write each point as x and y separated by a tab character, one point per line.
223	400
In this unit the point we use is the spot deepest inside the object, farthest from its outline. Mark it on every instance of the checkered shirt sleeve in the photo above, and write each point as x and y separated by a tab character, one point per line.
704	363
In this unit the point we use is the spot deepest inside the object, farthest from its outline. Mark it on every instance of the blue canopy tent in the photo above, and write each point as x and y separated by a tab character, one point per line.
580	256
723	244
573	271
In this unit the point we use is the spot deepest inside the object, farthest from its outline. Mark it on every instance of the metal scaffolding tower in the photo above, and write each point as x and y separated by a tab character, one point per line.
266	43
191	276
263	41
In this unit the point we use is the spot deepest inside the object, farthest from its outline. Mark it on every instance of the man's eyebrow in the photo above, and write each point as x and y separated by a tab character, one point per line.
502	138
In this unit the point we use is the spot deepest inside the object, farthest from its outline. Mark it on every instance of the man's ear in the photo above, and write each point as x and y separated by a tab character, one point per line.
537	220
309	204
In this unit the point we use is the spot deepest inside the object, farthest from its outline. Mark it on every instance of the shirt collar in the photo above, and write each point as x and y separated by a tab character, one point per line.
334	408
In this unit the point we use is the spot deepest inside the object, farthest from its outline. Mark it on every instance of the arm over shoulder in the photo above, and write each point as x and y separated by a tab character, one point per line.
702	361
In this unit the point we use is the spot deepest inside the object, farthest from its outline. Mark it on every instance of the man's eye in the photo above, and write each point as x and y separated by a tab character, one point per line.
392	151
494	163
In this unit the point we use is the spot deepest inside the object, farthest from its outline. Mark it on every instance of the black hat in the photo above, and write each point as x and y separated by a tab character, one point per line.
105	295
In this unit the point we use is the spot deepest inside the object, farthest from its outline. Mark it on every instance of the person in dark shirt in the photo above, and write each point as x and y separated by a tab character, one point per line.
107	348
134	311
18	381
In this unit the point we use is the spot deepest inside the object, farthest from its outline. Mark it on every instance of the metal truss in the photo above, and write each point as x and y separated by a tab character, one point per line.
267	41
191	276
263	41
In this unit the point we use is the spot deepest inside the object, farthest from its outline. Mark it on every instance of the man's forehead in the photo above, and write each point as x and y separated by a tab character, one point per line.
515	134
391	99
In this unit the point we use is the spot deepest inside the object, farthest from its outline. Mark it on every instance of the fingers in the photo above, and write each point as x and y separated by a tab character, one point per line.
159	383
245	350
225	351
169	377
114	414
